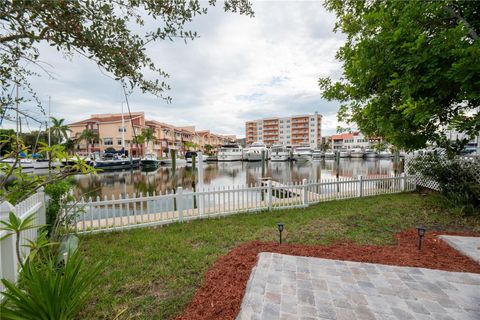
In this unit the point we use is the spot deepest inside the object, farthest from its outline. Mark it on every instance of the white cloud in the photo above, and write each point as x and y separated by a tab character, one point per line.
239	69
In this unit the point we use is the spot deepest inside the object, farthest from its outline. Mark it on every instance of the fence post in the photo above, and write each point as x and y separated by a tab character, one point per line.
42	212
179	203
360	186
201	204
403	181
269	196
8	254
305	192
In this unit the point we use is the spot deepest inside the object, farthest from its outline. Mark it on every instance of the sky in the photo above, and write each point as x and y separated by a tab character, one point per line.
239	69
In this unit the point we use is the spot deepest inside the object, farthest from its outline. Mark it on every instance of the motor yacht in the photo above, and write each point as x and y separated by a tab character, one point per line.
302	154
385	154
280	153
116	162
254	152
317	154
344	153
357	153
370	154
329	154
230	152
150	161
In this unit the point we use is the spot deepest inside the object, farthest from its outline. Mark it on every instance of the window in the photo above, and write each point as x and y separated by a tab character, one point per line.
312	119
122	129
281	131
108	141
288	137
288	126
312	141
288	121
312	130
119	142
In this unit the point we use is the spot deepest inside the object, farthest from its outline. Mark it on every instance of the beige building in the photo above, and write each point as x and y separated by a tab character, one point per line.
117	132
302	130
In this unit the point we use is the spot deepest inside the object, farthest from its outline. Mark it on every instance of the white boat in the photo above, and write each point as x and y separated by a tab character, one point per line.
370	154
384	154
357	153
329	154
280	153
302	154
43	164
230	152
26	164
317	154
254	152
344	153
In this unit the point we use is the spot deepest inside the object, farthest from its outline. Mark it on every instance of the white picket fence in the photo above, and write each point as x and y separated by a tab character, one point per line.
35	204
100	215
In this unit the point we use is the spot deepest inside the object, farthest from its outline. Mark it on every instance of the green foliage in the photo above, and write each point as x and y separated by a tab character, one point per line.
89	136
458	180
57	192
7	139
47	291
411	69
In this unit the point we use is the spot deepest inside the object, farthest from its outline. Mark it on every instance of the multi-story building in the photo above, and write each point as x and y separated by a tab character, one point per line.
302	130
112	134
352	140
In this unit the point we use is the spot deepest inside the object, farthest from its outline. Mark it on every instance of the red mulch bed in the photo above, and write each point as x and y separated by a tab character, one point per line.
224	284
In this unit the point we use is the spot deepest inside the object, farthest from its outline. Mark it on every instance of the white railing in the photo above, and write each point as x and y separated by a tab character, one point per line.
35	204
99	215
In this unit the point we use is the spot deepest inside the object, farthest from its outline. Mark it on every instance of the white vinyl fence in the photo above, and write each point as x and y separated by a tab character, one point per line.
99	215
35	204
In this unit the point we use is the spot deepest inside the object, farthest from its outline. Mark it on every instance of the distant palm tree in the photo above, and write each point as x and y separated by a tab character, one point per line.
69	145
89	136
59	130
148	136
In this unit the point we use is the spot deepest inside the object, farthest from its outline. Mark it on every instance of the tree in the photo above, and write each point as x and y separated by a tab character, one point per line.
209	148
411	69
59	130
90	137
102	31
148	136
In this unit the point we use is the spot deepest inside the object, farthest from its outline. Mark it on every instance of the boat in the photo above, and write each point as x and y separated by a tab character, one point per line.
211	159
329	154
302	154
114	162
230	152
384	154
280	153
344	153
189	156
42	164
370	154
357	153
317	154
255	151
25	164
150	161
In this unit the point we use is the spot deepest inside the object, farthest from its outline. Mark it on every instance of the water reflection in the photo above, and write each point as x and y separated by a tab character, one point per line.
224	174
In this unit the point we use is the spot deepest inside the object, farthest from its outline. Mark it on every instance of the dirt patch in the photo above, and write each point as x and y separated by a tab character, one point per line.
224	284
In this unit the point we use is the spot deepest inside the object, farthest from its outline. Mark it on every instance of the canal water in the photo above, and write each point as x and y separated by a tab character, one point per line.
225	174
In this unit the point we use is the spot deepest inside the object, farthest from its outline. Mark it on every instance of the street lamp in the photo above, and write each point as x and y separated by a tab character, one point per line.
280	229
421	233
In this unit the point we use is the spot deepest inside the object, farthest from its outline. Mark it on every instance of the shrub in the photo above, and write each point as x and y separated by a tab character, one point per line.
458	179
57	193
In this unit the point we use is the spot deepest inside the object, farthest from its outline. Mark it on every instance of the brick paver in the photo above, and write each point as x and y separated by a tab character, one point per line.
469	246
290	287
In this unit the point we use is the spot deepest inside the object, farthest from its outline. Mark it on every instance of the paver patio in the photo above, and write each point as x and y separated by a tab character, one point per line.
469	246
292	287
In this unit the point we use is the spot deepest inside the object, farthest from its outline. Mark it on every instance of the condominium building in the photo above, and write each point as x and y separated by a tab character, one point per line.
302	130
117	131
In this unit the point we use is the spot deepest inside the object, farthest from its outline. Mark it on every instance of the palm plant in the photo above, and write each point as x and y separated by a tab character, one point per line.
148	135
59	130
89	136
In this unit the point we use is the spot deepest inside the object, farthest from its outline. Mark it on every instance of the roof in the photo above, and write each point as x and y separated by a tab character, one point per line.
343	136
111	117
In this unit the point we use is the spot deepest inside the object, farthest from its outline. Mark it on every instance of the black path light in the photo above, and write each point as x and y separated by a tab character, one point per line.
281	226
421	233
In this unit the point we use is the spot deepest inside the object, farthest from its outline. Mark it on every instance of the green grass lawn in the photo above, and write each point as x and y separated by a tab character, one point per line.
152	273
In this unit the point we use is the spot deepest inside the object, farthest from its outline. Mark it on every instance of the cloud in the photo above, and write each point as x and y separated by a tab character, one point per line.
239	69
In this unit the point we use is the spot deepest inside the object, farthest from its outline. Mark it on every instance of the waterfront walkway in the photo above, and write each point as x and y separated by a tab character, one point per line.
291	287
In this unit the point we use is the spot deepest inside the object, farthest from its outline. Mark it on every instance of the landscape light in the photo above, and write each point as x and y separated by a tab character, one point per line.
421	233
280	229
